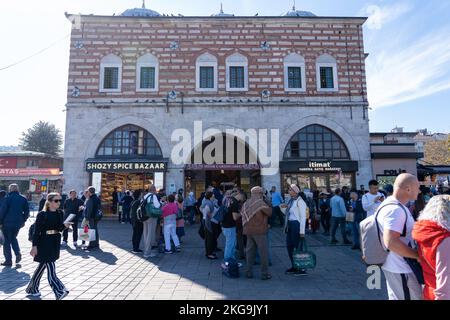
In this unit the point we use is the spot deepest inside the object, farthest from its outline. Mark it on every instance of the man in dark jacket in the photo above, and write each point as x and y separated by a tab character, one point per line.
93	205
72	206
138	226
358	215
14	212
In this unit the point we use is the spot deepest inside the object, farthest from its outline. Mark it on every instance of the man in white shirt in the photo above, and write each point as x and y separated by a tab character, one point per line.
372	200
396	224
150	225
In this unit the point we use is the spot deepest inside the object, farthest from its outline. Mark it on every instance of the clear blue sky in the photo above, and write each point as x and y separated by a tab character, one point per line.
408	69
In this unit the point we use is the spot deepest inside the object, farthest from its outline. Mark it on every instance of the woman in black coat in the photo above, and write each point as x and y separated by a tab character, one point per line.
46	246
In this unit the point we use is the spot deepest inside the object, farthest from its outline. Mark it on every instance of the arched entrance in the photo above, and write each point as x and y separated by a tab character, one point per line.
234	165
316	158
128	158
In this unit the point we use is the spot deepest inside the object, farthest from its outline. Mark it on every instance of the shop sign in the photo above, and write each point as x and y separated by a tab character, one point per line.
315	166
134	166
245	166
28	172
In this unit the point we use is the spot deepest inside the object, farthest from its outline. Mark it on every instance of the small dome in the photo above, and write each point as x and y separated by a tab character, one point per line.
299	13
140	12
222	14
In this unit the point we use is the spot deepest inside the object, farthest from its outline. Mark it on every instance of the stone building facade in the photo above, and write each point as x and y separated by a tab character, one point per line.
161	73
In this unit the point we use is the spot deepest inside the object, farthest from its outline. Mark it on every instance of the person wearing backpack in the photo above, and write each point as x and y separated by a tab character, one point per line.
138	226
14	212
396	225
229	225
150	224
93	207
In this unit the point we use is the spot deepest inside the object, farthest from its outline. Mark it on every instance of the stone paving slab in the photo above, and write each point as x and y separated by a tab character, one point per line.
117	274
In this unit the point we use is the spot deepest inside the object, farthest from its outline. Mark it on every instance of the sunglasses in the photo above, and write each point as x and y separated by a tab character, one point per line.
56	201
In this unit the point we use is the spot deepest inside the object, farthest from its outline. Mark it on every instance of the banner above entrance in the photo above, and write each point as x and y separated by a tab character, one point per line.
318	166
111	165
245	166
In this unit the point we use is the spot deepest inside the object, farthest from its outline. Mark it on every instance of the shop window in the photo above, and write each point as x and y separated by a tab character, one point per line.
316	142
129	141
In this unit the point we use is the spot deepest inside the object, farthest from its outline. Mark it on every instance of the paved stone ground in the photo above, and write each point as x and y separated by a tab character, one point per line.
114	273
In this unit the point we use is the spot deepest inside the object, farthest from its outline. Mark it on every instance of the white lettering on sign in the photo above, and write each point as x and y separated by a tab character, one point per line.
125	166
314	164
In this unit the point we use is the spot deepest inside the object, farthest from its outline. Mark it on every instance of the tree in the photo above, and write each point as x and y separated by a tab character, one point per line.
42	137
438	152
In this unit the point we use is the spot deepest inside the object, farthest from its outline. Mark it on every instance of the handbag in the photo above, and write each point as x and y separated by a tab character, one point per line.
304	259
86	234
350	216
151	210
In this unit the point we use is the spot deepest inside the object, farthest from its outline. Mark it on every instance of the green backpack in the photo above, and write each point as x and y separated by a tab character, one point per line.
151	210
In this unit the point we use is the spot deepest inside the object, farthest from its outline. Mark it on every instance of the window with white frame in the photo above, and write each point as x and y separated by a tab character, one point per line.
147	73
294	73
110	73
326	71
237	72
206	72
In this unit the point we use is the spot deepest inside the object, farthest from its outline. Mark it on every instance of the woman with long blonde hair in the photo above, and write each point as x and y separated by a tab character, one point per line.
46	246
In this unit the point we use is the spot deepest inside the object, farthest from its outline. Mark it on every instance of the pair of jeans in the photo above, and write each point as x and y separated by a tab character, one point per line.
170	232
191	217
230	243
293	240
325	221
355	233
338	221
126	214
138	229
10	234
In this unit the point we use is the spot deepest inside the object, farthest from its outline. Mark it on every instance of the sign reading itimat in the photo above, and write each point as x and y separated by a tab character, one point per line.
131	166
314	166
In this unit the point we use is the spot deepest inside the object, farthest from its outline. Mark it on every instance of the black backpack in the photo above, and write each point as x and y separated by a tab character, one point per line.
32	229
230	268
141	213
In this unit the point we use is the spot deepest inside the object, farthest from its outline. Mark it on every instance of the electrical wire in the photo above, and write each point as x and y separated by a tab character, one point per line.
35	54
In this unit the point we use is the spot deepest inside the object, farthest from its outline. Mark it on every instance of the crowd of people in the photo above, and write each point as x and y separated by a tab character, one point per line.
246	222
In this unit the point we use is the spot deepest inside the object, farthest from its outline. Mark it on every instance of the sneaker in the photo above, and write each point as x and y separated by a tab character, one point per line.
37	294
334	242
63	295
266	277
290	271
64	243
18	258
178	249
135	251
300	273
7	264
168	252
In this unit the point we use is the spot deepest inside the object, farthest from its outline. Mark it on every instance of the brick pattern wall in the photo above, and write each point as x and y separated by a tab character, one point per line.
130	38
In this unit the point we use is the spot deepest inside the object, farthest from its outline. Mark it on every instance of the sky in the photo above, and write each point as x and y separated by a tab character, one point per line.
408	68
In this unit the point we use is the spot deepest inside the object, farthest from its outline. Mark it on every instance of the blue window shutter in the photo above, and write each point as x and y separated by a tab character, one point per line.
294	77
111	78
237	77
207	77
147	80
326	78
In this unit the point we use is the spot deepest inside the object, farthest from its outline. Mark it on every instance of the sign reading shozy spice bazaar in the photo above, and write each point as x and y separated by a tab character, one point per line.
125	166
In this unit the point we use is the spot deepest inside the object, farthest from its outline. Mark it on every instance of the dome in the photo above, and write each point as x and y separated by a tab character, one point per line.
222	14
140	12
299	13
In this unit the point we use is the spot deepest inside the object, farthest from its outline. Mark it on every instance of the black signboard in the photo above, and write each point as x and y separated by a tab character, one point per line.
318	166
109	165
